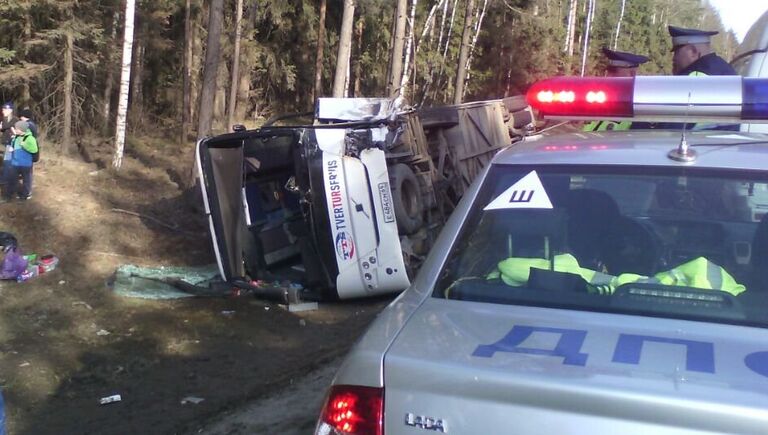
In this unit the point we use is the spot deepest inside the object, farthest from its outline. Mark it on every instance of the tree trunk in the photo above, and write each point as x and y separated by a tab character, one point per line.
588	27
186	103
211	69
428	26
389	46
396	73
26	96
345	45
196	72
220	102
439	80
110	80
442	25
461	70
450	28
358	58
317	90
136	99
235	66
243	107
571	33
478	27
125	80
69	73
618	24
408	49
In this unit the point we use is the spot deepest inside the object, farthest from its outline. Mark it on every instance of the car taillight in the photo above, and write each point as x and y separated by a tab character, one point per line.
352	410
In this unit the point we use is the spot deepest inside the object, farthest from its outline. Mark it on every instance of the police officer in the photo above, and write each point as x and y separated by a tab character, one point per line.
693	55
620	64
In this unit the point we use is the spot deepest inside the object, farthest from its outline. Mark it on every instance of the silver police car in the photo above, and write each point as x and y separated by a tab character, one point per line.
612	282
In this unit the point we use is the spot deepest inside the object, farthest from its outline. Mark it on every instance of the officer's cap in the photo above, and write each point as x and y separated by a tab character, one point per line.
682	36
620	59
8	105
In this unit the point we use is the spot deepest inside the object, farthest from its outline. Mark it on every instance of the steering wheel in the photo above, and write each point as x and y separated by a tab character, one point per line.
631	248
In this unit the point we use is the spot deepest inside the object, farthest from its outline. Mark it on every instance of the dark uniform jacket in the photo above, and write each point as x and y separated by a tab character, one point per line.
711	65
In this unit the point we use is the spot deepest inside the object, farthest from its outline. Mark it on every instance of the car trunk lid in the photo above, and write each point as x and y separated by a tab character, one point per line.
471	367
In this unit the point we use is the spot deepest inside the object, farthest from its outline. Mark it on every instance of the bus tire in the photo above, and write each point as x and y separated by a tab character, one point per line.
406	198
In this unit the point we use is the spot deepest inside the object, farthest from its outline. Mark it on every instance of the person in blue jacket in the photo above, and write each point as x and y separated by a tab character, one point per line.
24	145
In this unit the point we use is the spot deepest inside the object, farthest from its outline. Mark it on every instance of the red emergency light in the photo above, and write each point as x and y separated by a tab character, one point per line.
588	97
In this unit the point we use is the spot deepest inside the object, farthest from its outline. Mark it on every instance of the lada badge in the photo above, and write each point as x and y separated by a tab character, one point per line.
428	423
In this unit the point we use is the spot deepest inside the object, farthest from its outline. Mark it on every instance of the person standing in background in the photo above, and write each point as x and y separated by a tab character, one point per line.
6	134
692	54
26	115
24	145
620	64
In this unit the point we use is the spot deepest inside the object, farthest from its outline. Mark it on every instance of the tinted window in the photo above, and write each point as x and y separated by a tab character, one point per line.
662	242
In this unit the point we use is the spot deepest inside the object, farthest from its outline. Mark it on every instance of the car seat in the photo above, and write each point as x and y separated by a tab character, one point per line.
629	247
591	215
531	233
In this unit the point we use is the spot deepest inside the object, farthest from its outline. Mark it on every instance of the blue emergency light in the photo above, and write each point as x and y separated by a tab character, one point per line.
652	98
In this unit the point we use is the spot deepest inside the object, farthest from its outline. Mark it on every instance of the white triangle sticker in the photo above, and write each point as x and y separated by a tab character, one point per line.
526	193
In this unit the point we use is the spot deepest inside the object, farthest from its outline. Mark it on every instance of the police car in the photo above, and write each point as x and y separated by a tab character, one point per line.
612	282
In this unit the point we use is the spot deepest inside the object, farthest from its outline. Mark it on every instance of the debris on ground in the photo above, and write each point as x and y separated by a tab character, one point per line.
110	399
83	304
161	282
17	266
299	307
191	399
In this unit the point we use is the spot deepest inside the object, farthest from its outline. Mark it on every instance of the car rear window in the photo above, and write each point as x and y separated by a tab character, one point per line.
673	242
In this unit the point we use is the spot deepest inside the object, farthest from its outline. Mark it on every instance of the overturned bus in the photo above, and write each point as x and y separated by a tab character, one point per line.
347	206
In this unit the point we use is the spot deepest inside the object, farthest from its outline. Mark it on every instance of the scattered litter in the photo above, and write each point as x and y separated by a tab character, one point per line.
303	306
266	308
164	282
191	399
92	173
302	322
13	263
228	313
62	282
102	332
84	304
110	399
17	266
24	364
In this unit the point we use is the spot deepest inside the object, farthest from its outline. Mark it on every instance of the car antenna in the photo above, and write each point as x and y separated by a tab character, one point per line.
683	152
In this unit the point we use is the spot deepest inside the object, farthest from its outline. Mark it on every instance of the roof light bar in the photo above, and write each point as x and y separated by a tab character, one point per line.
652	98
591	96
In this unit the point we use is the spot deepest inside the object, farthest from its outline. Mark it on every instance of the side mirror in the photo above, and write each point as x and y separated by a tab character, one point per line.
238	128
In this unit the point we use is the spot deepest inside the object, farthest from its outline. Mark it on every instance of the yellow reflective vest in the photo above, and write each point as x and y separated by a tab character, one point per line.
699	273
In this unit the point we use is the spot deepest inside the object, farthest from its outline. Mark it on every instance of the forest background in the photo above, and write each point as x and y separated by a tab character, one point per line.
62	58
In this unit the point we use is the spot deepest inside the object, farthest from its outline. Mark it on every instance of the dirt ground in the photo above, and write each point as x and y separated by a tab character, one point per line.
56	360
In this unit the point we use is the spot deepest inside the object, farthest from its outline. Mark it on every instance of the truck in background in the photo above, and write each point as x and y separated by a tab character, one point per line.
349	205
